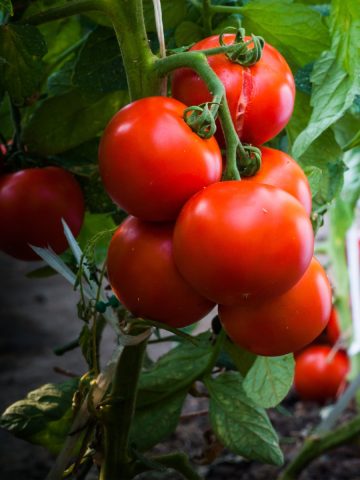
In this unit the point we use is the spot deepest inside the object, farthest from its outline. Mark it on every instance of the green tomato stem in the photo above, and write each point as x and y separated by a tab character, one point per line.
197	61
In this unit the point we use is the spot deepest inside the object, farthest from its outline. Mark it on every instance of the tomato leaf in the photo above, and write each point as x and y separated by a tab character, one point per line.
243	360
324	154
296	30
64	122
238	423
99	67
97	228
336	75
174	371
21	50
269	380
153	423
187	33
44	416
7	6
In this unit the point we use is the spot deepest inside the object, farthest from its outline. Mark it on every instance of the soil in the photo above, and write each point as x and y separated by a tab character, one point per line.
38	315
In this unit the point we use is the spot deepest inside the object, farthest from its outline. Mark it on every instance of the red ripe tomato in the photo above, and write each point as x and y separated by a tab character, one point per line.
280	170
333	328
260	97
240	239
143	275
151	162
283	324
32	204
318	375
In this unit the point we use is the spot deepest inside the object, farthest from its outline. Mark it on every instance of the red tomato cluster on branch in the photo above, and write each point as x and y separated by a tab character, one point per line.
245	245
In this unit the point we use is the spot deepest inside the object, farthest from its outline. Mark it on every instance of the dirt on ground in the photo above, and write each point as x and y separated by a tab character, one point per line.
38	315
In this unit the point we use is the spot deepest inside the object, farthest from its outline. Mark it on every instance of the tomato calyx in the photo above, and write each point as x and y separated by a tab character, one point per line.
201	119
250	162
240	53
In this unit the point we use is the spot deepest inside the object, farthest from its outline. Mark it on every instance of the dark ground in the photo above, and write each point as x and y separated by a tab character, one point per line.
38	315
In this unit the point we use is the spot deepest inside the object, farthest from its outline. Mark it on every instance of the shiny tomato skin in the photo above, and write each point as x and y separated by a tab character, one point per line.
333	331
151	162
282	324
260	97
143	275
32	204
280	170
318	375
236	239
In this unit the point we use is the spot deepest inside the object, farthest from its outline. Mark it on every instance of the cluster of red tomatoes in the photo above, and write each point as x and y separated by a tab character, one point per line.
191	241
32	203
321	369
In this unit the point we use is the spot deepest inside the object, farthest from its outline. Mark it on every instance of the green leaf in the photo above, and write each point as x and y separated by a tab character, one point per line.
269	380
60	36
174	371
7	6
324	154
302	78
98	229
44	416
153	423
42	272
238	423
99	68
187	33
336	75
351	190
243	360
60	82
81	160
297	31
173	13
21	50
64	122
314	175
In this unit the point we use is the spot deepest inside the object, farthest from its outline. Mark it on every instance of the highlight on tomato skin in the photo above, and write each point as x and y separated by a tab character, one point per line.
32	204
236	239
320	374
260	97
143	275
282	324
280	170
151	162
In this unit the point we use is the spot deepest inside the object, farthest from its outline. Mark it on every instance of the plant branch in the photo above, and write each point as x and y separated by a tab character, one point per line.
207	16
75	7
317	445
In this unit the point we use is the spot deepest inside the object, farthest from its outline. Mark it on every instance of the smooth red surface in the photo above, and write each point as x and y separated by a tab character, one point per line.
280	170
32	204
333	328
318	375
260	97
240	239
143	275
283	324
151	162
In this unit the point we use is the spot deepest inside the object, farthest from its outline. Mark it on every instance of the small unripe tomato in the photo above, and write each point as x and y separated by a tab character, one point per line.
320	375
144	277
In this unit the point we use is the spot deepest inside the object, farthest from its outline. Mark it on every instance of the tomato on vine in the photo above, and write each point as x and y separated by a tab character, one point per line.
32	204
320	374
144	277
282	324
151	162
333	331
280	170
260	97
239	239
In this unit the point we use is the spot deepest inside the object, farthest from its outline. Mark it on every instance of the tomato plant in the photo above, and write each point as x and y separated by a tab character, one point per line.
151	162
32	204
220	246
260	97
333	331
282	324
139	252
320	375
